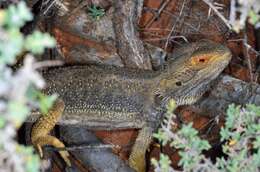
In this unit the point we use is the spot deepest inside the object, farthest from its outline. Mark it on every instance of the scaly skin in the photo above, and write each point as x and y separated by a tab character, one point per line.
106	97
43	126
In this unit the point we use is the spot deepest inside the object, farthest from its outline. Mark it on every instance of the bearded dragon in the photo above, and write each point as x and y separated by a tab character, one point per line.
110	98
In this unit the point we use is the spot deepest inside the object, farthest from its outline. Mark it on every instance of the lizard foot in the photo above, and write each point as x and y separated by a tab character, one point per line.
42	127
53	141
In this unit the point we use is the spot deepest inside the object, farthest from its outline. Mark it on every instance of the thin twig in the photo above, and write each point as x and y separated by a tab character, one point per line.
59	4
248	47
248	59
246	44
170	34
218	7
165	38
175	17
158	13
49	7
48	63
82	147
218	13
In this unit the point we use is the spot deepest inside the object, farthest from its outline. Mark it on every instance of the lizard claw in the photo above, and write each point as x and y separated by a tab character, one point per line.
53	141
39	149
40	131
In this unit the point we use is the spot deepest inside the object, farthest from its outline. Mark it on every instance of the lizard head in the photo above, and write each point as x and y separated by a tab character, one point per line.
188	76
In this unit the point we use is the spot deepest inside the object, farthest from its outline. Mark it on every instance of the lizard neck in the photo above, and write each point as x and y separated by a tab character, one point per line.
172	76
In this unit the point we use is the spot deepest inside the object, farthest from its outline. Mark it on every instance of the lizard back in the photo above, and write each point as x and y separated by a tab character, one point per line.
110	97
103	93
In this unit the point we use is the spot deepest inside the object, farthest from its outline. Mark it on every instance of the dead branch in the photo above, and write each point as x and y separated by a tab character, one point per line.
227	91
174	25
129	46
218	13
99	159
157	13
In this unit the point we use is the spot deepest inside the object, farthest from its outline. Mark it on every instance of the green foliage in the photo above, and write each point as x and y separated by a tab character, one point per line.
38	41
12	42
242	148
46	102
254	18
190	146
161	135
96	12
17	112
10	46
164	163
2	122
19	90
16	16
193	141
242	129
32	160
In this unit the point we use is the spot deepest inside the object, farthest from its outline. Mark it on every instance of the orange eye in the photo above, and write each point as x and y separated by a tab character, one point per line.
199	60
202	60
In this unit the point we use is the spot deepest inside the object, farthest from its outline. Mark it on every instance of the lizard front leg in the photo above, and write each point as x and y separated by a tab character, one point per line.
137	156
42	127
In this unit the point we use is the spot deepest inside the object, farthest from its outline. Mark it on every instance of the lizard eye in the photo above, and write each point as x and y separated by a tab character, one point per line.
200	60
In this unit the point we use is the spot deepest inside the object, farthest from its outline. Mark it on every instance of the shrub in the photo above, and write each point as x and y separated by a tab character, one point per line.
240	133
18	88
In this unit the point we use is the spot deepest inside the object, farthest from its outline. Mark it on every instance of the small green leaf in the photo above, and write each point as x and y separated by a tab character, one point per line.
224	133
11	47
17	112
256	143
46	102
164	162
154	162
232	114
24	12
37	41
188	131
2	122
16	16
171	106
253	17
161	136
32	161
32	93
253	108
96	12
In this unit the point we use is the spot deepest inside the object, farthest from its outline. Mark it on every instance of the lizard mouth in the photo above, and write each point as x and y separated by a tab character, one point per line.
192	96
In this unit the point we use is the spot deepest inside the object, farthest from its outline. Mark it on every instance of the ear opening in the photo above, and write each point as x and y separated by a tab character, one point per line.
179	83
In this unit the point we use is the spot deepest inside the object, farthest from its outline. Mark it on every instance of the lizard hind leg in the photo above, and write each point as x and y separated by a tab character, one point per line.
137	156
40	131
